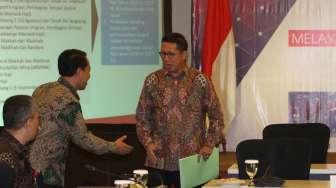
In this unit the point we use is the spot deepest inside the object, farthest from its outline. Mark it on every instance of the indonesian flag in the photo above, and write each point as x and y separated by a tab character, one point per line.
218	56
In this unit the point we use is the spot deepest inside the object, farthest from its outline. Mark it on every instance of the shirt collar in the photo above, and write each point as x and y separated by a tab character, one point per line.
15	145
69	86
184	73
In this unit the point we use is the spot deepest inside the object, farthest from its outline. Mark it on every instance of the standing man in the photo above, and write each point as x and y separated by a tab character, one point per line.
172	111
62	120
21	122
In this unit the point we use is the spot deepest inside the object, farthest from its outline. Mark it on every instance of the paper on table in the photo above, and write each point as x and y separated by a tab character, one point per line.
195	172
225	183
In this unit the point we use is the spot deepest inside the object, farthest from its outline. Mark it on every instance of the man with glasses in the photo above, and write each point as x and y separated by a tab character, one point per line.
171	114
21	122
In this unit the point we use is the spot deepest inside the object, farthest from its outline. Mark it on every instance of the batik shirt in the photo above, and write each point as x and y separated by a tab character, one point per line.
15	170
172	112
61	122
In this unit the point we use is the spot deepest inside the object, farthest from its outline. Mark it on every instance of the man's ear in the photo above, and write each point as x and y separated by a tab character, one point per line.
27	123
185	55
78	71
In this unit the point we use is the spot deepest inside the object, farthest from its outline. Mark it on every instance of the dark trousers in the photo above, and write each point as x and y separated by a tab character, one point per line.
40	183
169	178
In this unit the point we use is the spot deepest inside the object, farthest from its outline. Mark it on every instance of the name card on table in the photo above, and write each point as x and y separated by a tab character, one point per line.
332	181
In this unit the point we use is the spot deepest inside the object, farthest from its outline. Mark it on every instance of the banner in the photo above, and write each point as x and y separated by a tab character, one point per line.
286	59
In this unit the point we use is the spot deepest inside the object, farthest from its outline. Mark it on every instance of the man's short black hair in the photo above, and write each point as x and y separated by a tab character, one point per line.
70	60
178	39
16	110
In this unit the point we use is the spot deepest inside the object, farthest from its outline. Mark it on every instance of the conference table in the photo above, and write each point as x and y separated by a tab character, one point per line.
287	184
317	171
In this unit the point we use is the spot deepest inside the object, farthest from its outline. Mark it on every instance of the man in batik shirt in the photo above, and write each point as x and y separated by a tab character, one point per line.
21	122
62	120
172	111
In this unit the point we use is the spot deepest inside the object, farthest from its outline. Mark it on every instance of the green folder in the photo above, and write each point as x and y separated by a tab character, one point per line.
195	171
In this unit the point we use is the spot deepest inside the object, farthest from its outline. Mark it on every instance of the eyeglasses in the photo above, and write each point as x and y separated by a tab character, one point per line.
167	54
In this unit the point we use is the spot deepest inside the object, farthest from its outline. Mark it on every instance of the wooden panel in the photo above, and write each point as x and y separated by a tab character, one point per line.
112	165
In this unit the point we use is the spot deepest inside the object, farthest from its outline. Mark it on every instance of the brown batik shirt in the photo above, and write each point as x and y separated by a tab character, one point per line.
61	122
172	112
15	170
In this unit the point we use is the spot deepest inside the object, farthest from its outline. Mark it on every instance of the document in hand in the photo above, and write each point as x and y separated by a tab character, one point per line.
194	170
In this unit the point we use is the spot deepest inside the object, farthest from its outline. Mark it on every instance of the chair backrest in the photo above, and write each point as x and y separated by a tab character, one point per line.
317	133
251	149
287	158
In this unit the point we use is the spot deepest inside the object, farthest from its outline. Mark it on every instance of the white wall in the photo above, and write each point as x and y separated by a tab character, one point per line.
181	19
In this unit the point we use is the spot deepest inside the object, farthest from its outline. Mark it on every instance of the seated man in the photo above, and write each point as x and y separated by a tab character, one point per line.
21	122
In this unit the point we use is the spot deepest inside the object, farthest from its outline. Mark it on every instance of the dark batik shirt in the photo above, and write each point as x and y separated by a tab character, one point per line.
15	170
172	113
61	122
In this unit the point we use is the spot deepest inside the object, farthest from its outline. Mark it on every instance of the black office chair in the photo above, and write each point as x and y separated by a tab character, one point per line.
287	158
251	149
317	133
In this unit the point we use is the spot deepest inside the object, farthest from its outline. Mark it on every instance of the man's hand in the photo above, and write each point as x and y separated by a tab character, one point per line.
121	147
205	152
150	150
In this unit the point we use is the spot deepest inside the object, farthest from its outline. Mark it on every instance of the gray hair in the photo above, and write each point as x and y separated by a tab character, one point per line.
16	110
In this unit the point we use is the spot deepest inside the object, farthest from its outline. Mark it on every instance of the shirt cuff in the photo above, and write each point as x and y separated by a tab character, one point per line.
112	146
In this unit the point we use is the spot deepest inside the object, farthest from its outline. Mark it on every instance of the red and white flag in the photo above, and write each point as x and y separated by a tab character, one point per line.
218	56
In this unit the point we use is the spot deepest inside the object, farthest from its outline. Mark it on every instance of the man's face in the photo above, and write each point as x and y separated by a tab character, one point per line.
84	76
173	59
34	122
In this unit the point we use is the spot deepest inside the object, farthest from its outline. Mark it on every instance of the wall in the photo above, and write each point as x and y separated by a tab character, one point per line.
181	19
